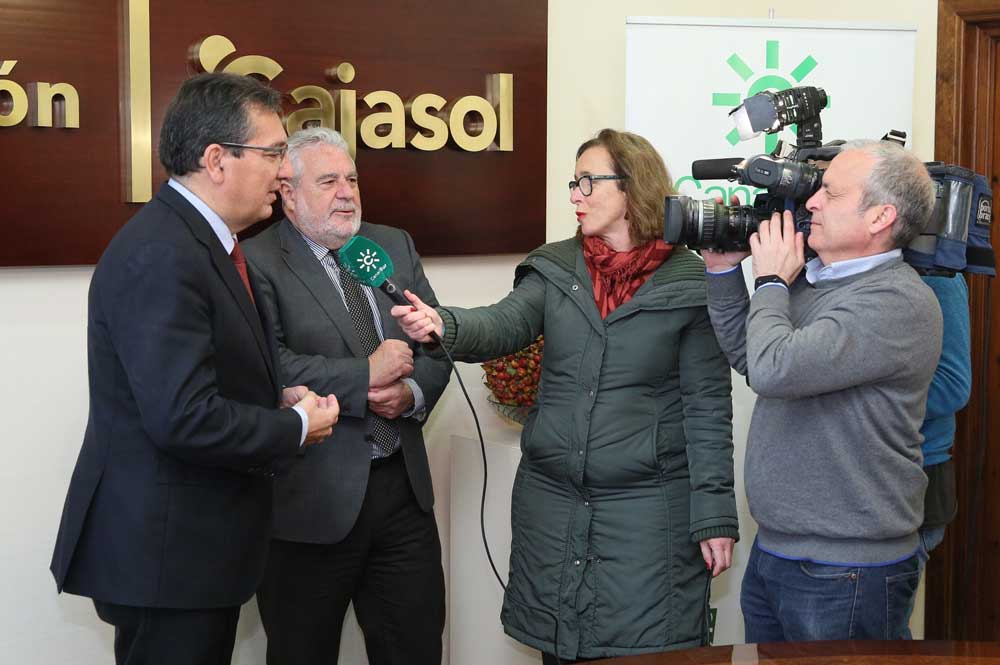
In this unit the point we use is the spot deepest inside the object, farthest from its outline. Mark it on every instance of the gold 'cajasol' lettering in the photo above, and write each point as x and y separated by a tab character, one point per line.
426	121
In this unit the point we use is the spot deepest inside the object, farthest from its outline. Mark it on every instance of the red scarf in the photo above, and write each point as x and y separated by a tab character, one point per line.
616	276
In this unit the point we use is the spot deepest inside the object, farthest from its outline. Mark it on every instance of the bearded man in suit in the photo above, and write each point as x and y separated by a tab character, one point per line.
354	519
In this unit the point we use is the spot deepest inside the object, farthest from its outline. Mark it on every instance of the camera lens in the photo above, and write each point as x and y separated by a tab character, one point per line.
708	224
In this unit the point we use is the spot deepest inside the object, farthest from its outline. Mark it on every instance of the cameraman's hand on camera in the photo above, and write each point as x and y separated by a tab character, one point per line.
717	261
777	248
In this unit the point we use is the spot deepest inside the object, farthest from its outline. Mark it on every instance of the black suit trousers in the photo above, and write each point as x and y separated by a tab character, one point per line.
164	636
389	565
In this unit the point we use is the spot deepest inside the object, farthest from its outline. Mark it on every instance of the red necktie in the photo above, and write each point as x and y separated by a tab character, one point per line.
240	261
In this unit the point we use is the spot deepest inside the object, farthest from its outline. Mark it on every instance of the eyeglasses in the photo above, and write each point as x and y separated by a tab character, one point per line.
271	151
586	182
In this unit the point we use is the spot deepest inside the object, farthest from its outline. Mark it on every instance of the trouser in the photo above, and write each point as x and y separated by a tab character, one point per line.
161	636
785	600
389	565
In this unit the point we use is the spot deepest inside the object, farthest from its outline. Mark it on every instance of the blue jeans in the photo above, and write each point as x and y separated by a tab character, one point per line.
797	601
930	537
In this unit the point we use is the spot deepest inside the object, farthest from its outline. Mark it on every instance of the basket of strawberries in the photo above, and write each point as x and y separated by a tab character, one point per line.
513	381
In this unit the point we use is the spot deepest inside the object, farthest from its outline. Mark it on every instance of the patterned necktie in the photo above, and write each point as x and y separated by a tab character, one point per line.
240	261
384	433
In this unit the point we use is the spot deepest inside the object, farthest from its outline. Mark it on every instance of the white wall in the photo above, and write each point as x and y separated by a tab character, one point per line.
43	407
43	411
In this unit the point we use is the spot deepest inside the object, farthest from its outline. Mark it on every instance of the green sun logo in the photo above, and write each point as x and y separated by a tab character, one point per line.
768	81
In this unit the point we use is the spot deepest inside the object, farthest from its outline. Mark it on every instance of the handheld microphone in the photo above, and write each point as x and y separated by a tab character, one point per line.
715	169
370	264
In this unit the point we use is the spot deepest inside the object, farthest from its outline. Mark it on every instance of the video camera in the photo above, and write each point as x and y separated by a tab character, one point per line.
957	237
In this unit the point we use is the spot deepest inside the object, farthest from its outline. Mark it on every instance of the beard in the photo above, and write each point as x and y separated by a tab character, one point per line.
328	230
345	231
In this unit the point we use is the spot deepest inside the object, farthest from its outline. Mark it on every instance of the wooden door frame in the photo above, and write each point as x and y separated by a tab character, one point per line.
963	583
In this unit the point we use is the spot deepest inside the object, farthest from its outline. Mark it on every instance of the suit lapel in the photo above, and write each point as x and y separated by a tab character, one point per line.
302	262
390	328
272	346
224	267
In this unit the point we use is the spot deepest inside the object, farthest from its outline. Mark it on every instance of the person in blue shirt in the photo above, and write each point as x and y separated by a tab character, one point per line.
948	394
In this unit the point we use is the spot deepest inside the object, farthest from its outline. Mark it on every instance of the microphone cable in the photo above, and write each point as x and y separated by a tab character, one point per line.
482	500
482	448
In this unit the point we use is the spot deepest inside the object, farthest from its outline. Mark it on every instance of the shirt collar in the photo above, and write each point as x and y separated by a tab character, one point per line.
321	251
817	272
219	227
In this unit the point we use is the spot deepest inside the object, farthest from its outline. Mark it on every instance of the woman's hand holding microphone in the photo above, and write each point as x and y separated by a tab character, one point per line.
419	320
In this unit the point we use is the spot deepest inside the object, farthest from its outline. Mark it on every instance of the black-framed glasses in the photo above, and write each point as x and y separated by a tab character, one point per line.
586	182
269	150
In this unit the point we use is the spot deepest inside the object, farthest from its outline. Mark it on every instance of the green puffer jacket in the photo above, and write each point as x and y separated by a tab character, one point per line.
627	459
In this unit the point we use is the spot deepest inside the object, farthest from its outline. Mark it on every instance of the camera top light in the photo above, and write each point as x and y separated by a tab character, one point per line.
771	111
755	115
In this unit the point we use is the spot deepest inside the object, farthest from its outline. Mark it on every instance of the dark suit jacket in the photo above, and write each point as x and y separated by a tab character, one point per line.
319	499
170	501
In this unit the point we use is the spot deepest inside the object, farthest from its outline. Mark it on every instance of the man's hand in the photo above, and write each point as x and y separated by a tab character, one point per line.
717	261
322	412
718	554
391	401
777	248
292	396
392	360
419	320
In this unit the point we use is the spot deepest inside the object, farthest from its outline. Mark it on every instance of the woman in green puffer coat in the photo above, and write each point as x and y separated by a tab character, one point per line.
623	506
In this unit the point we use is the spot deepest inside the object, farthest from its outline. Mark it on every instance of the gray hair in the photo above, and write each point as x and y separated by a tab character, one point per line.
900	179
307	138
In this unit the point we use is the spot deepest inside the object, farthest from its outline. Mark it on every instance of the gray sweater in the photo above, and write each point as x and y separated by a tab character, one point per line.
841	371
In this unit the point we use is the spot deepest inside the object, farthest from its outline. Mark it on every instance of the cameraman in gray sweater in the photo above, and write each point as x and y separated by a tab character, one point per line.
841	356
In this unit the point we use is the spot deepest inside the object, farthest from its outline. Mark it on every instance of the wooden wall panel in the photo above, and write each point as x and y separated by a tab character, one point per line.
62	188
962	585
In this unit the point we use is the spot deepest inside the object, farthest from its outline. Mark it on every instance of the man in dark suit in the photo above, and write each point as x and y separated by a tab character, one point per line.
168	513
353	519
